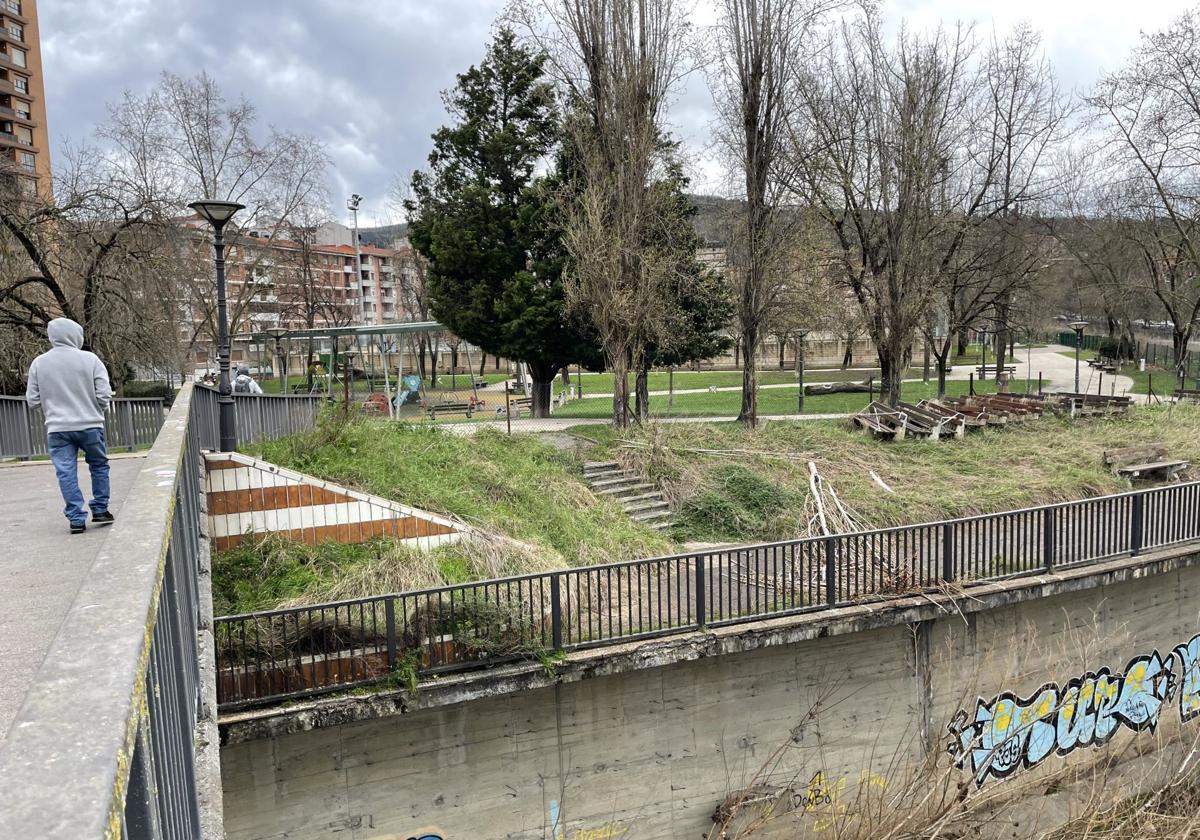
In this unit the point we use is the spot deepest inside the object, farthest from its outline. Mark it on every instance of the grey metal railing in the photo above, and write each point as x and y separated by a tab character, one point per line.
259	416
271	655
129	424
104	745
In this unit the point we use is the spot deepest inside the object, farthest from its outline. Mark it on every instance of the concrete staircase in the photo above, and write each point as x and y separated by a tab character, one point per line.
643	502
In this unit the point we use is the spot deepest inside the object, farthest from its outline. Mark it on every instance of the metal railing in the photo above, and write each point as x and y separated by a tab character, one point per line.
129	424
300	651
104	744
259	416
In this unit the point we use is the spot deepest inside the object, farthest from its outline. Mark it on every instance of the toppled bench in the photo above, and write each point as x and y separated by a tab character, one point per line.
1148	461
1188	394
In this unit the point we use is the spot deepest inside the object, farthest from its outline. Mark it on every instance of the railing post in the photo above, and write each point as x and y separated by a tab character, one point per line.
389	614
125	423
701	606
556	612
1048	525
830	571
1137	511
947	552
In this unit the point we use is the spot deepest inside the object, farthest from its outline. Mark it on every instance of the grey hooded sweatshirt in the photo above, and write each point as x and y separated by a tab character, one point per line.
70	384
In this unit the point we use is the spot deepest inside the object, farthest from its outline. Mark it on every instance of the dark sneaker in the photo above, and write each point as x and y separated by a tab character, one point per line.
78	529
105	518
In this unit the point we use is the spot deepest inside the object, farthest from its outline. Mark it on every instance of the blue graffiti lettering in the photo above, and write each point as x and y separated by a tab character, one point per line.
1008	733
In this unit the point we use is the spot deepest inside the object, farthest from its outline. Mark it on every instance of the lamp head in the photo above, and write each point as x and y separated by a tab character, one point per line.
1078	326
216	213
276	332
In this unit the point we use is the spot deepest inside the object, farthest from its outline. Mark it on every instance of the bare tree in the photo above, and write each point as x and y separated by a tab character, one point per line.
1151	108
759	44
618	61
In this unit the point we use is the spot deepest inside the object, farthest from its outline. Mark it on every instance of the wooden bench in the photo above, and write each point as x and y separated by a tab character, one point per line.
520	404
451	408
1143	462
1189	394
990	370
479	382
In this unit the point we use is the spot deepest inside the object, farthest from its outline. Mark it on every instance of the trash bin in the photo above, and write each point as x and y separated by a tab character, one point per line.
1142	365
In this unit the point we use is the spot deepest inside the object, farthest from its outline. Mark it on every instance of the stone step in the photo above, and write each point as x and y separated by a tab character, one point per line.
646	505
620	492
600	466
601	476
658	513
660	524
656	495
613	483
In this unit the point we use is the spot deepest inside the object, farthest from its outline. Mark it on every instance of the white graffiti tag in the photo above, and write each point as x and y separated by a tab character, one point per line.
1007	732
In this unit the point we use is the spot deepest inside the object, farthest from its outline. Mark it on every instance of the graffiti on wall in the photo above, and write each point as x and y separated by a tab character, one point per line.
1008	733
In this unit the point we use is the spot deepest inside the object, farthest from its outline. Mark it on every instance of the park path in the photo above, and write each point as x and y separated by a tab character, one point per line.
41	567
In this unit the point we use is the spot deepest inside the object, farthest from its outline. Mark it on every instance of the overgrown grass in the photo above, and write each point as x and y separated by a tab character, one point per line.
518	486
274	572
1049	460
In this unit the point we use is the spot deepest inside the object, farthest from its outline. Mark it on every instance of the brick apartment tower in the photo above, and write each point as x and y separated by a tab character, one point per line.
24	139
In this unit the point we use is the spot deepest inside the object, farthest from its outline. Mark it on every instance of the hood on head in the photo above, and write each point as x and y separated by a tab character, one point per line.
63	332
243	371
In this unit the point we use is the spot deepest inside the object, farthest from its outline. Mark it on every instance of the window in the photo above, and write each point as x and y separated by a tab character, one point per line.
25	135
21	107
13	6
28	160
21	83
18	57
16	30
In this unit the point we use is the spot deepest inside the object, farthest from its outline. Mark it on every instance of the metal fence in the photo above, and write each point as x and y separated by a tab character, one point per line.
306	650
259	416
129	424
105	742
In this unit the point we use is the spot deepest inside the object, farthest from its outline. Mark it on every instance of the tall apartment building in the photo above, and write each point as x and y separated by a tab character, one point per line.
24	139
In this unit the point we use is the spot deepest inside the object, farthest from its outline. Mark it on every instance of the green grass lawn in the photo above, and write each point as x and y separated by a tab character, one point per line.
770	401
1162	379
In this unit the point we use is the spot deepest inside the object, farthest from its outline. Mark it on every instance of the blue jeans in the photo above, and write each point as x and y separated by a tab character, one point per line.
64	450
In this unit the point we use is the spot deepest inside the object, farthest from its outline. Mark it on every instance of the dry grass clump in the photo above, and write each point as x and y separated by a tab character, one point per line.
704	468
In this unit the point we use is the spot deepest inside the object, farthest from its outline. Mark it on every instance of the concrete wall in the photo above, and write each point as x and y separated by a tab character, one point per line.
826	731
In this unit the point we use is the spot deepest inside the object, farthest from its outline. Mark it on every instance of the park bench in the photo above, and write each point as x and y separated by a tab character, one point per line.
1088	405
925	421
450	408
882	421
479	382
984	371
516	406
1103	364
1143	462
1189	394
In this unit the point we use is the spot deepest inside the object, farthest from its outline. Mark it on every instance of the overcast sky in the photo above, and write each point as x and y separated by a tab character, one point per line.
366	77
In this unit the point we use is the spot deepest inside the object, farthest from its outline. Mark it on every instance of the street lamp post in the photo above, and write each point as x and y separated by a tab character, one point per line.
218	214
352	205
278	333
1079	327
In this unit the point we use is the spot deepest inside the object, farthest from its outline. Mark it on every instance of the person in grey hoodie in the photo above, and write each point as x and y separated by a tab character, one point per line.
71	386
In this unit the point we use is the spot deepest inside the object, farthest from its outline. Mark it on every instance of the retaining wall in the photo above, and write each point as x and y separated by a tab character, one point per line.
1063	690
249	498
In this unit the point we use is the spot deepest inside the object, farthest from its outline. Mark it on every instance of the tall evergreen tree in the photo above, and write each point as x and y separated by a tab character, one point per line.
484	221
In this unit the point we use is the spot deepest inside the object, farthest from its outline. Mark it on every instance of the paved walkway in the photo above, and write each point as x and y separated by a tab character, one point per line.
41	568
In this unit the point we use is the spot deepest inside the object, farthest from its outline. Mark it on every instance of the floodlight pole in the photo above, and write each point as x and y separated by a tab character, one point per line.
800	336
1079	327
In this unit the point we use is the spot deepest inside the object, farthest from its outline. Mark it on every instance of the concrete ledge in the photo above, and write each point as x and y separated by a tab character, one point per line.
654	653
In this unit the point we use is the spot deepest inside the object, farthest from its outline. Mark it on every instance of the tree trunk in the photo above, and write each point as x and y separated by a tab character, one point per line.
816	389
963	341
749	411
482	363
642	394
541	377
848	356
925	367
1179	341
892	363
620	369
781	346
943	366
